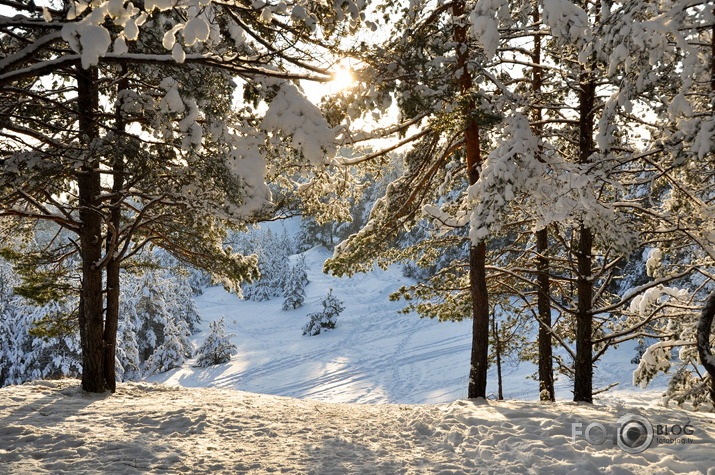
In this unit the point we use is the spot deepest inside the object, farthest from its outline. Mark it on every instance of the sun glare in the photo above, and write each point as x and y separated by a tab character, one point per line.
342	79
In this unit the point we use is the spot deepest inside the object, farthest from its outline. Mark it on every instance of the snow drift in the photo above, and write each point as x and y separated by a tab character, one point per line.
54	427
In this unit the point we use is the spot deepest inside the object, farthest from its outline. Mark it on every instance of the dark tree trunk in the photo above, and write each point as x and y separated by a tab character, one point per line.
712	59
91	313
114	263
111	325
704	328
497	350
583	370
480	322
546	371
706	318
477	254
583	377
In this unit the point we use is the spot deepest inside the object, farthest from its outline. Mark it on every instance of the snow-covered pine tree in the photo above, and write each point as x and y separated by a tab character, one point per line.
664	53
294	293
301	271
28	352
217	347
672	323
13	330
564	155
440	70
128	362
326	318
173	351
273	251
40	341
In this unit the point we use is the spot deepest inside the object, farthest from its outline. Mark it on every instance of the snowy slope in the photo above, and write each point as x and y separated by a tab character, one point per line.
374	355
53	427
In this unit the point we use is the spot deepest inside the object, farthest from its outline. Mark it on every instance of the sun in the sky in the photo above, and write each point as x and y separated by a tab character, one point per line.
342	78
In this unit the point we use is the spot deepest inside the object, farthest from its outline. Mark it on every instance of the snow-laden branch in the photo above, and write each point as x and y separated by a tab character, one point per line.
384	151
28	51
641	289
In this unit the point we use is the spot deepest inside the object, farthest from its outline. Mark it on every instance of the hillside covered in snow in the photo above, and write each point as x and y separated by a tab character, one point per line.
374	355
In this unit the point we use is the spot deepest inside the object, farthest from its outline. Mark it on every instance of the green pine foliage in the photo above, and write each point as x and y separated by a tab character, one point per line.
217	347
327	318
294	293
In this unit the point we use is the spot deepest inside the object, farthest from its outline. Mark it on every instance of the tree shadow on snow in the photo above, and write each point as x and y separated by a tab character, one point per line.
54	428
338	456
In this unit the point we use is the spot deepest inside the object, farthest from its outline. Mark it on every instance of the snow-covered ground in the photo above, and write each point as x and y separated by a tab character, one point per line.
374	355
280	405
53	427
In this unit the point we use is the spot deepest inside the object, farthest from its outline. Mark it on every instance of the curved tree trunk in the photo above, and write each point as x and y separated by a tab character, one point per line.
704	328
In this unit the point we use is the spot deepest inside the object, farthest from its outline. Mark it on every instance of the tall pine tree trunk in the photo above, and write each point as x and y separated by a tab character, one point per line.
114	262
498	351
546	371
113	266
477	254
708	314
112	324
583	370
91	312
480	322
583	366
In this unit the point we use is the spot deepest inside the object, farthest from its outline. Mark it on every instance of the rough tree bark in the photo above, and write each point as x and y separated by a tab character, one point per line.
111	325
91	312
708	313
583	366
477	254
546	370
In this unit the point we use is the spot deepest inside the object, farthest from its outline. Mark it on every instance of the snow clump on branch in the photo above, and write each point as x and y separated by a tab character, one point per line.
292	114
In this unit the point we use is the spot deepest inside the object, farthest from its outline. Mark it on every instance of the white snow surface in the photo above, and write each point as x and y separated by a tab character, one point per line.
54	427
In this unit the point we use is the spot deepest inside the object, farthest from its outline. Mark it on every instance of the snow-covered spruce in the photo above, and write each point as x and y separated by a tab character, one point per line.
325	319
272	251
217	347
294	287
173	352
